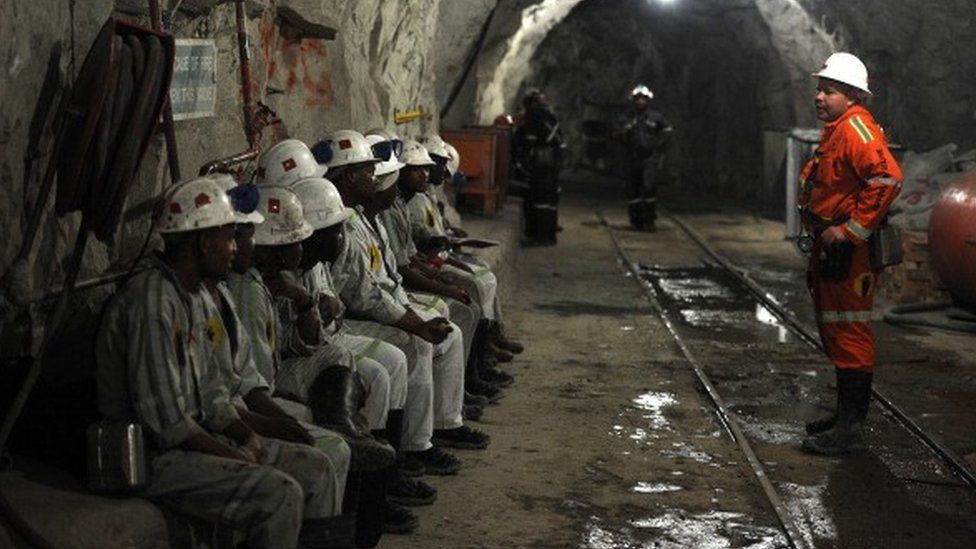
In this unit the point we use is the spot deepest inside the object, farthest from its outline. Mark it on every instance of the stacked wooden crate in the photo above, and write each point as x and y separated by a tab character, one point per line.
915	279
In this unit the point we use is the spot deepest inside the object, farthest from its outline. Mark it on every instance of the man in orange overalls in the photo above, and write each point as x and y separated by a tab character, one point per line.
846	190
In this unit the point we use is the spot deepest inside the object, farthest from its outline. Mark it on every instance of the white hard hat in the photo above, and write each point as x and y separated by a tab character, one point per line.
453	159
194	205
321	202
414	154
343	148
284	220
434	145
287	162
239	194
384	166
641	89
845	68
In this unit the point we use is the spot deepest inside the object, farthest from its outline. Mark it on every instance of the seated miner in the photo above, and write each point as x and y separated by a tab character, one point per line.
430	233
157	366
284	327
326	213
285	164
418	275
250	391
289	163
433	345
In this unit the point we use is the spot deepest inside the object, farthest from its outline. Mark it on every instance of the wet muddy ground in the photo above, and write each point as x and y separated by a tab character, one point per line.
606	440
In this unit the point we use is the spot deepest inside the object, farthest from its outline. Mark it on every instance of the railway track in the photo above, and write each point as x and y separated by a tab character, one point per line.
952	473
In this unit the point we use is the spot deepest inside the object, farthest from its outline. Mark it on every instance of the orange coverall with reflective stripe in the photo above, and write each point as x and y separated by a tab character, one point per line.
851	181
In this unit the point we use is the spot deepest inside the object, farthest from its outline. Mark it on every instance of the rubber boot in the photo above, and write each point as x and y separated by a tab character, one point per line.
335	397
828	422
328	533
853	389
496	334
472	378
636	213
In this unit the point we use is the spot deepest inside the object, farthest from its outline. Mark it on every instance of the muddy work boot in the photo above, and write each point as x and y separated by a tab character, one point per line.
432	461
496	335
853	399
335	398
462	437
397	519
864	379
472	412
411	492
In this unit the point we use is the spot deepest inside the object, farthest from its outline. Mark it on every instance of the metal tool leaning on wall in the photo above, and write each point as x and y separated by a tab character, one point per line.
846	190
109	117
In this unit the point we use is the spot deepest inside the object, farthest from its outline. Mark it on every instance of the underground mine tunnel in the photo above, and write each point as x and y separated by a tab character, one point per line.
488	273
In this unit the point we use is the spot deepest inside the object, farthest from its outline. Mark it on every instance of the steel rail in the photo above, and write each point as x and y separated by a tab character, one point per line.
793	534
955	463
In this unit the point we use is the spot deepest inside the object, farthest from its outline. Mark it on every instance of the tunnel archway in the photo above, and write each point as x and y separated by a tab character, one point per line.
722	72
731	72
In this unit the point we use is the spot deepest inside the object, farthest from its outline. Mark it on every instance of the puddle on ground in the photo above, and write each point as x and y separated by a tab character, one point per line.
711	530
711	299
765	316
806	506
772	432
655	488
653	403
692	290
683	450
651	407
678	529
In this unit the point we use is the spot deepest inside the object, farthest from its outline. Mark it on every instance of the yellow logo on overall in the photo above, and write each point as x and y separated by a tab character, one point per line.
864	284
375	259
215	331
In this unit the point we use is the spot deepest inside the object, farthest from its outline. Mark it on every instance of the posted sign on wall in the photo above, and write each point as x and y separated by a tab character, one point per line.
193	93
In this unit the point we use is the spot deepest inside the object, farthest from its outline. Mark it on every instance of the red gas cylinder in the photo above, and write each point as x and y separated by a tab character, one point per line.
952	238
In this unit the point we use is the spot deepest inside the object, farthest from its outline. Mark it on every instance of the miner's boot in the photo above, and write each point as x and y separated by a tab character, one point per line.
487	360
496	334
853	387
473	383
826	423
335	397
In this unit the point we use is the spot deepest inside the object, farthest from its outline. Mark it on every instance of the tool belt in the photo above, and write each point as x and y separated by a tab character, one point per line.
835	261
885	243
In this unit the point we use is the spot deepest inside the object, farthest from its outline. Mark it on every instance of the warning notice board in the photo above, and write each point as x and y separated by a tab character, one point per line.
193	92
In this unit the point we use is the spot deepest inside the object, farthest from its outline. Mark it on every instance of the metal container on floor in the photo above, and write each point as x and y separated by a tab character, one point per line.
116	458
952	238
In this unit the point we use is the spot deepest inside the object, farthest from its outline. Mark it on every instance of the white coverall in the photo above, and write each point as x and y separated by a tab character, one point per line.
156	366
426	222
294	375
241	376
362	278
396	232
318	282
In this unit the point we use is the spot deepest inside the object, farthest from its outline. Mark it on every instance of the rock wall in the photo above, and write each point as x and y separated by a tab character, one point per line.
382	58
921	62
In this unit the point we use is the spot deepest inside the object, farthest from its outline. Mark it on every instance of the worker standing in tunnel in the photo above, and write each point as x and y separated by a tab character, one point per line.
846	189
538	145
646	136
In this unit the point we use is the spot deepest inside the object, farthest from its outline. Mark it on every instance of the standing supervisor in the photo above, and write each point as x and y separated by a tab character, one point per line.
646	136
538	148
846	189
